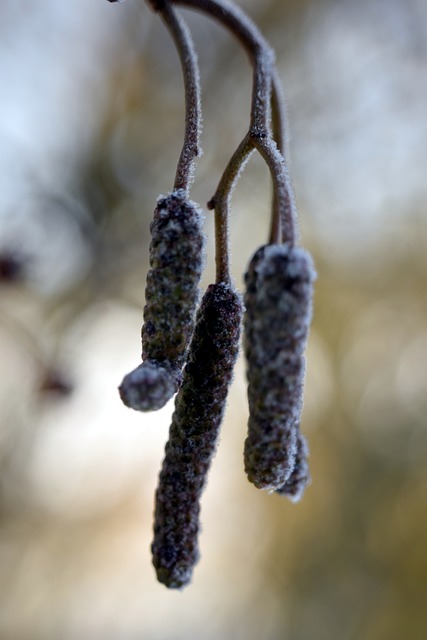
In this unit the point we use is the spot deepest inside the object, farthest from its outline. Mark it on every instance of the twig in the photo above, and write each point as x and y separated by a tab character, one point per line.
266	101
184	44
221	202
266	89
278	118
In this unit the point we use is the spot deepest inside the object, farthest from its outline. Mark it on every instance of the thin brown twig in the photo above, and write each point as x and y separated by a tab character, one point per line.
283	193
268	139
278	127
265	91
221	203
184	44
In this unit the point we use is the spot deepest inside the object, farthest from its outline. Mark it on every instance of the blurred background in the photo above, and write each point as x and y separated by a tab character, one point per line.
91	123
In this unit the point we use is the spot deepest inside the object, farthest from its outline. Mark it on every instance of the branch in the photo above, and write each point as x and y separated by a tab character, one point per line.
265	90
184	44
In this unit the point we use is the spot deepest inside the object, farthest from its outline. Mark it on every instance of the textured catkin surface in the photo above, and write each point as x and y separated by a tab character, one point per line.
300	477
172	289
171	297
199	409
279	284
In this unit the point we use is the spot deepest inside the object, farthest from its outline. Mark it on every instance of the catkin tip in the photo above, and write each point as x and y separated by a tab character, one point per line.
150	386
174	578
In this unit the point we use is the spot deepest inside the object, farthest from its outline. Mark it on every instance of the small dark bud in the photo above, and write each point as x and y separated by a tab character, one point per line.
55	383
156	5
12	267
199	408
279	285
171	297
295	486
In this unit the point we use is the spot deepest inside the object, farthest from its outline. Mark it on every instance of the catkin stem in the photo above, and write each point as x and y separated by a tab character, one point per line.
187	55
278	117
268	140
266	92
221	203
283	203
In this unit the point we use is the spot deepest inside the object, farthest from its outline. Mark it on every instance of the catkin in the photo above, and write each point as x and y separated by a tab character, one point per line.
278	297
300	477
199	408
171	296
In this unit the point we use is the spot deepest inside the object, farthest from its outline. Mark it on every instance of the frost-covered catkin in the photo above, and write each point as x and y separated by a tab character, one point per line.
199	408
171	297
279	284
300	477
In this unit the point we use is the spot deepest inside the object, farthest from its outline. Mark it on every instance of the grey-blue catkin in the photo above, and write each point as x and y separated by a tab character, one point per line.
295	485
171	297
278	301
199	408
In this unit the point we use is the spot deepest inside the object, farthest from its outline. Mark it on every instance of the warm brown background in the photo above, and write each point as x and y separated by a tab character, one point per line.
90	130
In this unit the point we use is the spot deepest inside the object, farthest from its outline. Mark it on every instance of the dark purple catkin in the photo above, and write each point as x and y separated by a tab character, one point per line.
300	477
199	408
171	297
279	284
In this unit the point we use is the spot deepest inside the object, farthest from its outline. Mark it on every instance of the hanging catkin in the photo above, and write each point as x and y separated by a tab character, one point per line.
278	311
171	296
199	408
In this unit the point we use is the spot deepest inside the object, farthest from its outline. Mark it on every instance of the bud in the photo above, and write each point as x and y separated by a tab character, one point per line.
199	408
13	266
171	297
278	297
300	477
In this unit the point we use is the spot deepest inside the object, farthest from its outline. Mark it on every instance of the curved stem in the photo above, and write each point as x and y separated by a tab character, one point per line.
266	92
278	118
231	16
266	97
288	223
184	44
282	189
259	51
221	203
278	115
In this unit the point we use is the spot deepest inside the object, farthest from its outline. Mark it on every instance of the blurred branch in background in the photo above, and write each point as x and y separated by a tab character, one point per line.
91	125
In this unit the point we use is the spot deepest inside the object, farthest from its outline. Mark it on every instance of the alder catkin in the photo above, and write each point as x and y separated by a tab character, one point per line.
300	477
199	408
279	284
171	297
